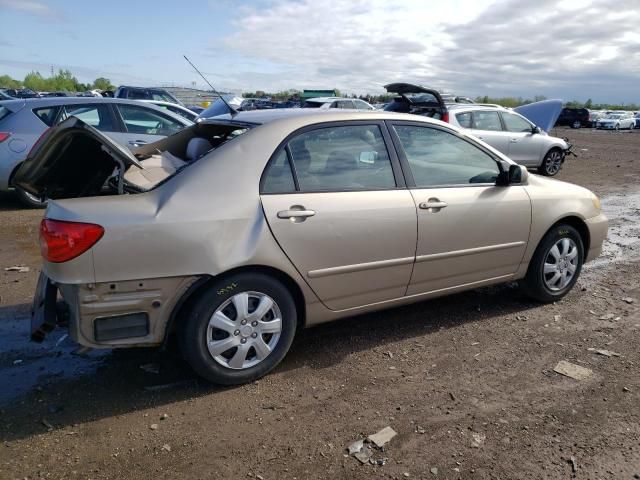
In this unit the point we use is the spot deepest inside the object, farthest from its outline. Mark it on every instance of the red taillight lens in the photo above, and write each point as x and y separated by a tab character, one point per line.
4	136
445	117
61	241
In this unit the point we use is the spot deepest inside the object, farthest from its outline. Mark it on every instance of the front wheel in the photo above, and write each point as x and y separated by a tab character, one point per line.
555	266
631	126
552	163
239	329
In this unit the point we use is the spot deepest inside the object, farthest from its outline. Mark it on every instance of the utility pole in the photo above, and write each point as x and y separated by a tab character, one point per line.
52	70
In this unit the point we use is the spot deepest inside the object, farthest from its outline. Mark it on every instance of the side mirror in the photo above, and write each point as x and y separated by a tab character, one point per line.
510	174
536	129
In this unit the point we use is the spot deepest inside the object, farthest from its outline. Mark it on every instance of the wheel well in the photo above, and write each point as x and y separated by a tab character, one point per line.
191	295
582	229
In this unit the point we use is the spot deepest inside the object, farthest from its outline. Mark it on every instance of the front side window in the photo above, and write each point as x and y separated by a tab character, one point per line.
362	105
342	158
98	116
514	123
487	121
344	104
440	158
144	121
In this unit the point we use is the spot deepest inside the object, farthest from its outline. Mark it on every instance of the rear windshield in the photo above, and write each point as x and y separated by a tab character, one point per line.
308	104
4	113
421	98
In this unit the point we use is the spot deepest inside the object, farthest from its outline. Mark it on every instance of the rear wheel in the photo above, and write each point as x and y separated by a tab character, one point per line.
239	329
576	124
552	163
631	126
30	200
555	266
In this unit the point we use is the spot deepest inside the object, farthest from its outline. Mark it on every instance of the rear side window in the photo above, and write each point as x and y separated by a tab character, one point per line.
487	121
278	178
97	116
46	114
342	158
464	119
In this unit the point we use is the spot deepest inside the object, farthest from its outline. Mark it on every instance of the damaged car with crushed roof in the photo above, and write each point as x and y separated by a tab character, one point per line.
237	232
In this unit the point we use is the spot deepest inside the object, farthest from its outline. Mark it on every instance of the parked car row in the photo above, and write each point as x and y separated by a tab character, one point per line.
606	119
131	123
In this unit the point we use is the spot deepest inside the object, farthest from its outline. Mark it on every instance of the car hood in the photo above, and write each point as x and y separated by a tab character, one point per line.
72	159
544	114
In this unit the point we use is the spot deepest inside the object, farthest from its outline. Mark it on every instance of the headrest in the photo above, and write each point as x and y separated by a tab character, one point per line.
197	147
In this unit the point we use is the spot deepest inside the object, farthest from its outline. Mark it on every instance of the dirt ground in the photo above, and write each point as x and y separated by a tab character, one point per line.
467	381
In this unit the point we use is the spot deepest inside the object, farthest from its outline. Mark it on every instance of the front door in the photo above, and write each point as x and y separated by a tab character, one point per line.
343	216
470	231
486	125
525	147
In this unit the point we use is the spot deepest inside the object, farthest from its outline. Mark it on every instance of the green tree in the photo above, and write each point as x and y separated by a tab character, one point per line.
102	83
588	103
7	82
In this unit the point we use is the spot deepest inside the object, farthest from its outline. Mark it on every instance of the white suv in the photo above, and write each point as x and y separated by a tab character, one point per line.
513	135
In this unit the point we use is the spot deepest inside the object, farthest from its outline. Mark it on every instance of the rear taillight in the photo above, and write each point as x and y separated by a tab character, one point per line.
4	136
61	241
445	117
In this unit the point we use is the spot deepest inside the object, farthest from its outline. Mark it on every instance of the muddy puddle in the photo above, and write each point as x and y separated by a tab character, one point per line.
25	365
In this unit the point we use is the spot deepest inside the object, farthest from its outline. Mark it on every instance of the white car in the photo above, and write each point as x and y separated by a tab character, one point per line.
337	102
616	121
513	135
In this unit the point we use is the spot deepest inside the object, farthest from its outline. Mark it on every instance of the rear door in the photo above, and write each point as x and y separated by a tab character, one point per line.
470	231
145	125
525	146
336	202
487	126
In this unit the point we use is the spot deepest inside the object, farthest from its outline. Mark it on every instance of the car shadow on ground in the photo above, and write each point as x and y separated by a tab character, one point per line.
9	201
54	386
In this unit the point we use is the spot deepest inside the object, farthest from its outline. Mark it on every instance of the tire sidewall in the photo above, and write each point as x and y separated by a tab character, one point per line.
193	335
545	172
535	275
28	201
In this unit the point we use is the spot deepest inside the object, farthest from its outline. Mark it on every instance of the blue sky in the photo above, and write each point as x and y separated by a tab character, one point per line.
559	48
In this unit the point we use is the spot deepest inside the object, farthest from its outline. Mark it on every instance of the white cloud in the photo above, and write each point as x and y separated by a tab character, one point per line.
471	47
32	7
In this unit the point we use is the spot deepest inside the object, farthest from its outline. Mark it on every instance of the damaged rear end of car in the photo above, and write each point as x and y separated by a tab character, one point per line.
99	193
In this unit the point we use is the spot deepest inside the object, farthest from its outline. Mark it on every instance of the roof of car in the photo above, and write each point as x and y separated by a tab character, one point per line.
327	99
313	115
471	106
55	101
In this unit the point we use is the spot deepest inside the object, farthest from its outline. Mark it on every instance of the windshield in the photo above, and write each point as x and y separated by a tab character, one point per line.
614	116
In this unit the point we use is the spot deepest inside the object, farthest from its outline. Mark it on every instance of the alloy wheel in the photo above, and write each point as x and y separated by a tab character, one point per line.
244	330
560	264
553	162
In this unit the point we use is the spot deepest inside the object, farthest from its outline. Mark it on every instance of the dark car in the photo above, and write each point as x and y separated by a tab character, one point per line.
21	93
143	93
5	96
574	117
417	100
637	120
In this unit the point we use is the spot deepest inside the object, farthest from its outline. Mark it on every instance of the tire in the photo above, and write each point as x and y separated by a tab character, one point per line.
617	127
552	163
632	126
239	362
29	200
541	286
576	124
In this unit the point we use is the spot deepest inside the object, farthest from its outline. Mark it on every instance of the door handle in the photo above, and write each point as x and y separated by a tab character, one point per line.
481	138
514	140
296	213
433	203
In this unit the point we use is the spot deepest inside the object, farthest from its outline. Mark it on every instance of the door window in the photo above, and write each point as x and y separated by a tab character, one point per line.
514	123
342	158
464	119
145	121
440	158
362	105
345	104
46	114
97	116
487	121
278	177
